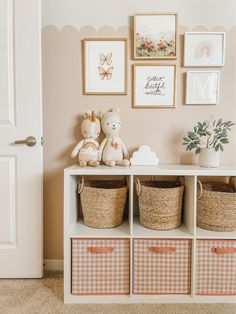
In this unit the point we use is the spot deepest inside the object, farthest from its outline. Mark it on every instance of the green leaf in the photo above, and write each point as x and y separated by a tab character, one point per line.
202	133
198	150
186	139
224	140
221	148
219	122
217	147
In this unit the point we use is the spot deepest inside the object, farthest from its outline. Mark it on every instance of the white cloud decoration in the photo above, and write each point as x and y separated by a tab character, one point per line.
144	157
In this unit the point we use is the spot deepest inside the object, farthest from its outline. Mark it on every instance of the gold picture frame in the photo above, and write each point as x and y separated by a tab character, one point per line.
105	71
146	47
156	85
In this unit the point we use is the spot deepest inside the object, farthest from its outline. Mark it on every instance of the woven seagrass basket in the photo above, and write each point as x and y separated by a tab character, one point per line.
102	202
160	203
216	206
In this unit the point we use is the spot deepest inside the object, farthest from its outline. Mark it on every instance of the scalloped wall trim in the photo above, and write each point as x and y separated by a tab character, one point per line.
116	13
216	28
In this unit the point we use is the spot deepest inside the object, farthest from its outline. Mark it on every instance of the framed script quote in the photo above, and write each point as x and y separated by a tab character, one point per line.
154	86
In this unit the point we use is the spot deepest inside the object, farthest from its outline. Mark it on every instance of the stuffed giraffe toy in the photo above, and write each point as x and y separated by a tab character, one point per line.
112	150
87	149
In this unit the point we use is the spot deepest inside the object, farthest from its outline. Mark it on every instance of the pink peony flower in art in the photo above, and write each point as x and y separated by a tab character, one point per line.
149	45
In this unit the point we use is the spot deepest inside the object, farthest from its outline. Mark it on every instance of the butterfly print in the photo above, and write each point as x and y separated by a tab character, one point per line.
105	59
105	73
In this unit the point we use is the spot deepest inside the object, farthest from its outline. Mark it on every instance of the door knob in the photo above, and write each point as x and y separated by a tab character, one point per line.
30	141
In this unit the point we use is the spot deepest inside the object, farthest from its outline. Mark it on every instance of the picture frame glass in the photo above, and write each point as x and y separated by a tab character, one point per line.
204	49
105	66
154	86
155	36
202	87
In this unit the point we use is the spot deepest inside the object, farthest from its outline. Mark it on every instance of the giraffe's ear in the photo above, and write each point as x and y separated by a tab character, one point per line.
87	115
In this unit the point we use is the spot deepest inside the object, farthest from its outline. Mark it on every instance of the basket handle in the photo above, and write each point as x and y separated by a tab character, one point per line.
100	249
138	186
181	180
231	181
81	185
219	250
201	189
127	181
163	249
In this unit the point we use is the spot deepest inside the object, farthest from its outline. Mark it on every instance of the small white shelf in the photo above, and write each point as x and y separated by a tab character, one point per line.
131	228
140	231
206	234
162	169
80	230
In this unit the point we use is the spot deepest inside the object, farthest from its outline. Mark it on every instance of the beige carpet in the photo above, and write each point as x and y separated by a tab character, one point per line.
46	296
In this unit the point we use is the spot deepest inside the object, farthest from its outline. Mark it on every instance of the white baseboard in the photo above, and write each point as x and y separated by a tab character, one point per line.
53	264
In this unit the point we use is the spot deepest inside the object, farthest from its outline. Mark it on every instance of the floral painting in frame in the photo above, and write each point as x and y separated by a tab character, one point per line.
154	85
202	87
155	36
105	66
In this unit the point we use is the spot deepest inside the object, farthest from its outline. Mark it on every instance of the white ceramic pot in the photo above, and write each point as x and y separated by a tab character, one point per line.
208	157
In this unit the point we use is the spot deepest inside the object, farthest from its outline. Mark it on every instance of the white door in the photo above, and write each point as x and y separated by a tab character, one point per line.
20	116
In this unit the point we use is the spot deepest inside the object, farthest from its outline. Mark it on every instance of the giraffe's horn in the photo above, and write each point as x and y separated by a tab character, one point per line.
93	118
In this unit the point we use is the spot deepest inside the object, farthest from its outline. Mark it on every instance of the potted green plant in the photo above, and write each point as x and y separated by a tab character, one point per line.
207	139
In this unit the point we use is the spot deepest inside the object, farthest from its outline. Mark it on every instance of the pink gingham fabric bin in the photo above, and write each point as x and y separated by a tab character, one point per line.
100	266
162	266
216	267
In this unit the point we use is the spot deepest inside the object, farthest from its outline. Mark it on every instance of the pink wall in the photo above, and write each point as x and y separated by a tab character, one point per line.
162	129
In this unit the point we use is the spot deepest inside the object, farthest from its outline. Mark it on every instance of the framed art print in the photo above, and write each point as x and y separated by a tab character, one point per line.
155	36
154	85
105	66
202	87
204	49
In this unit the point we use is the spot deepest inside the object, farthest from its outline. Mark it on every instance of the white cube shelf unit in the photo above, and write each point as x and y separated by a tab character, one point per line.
132	230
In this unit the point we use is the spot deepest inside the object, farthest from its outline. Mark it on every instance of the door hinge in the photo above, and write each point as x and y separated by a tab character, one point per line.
42	140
